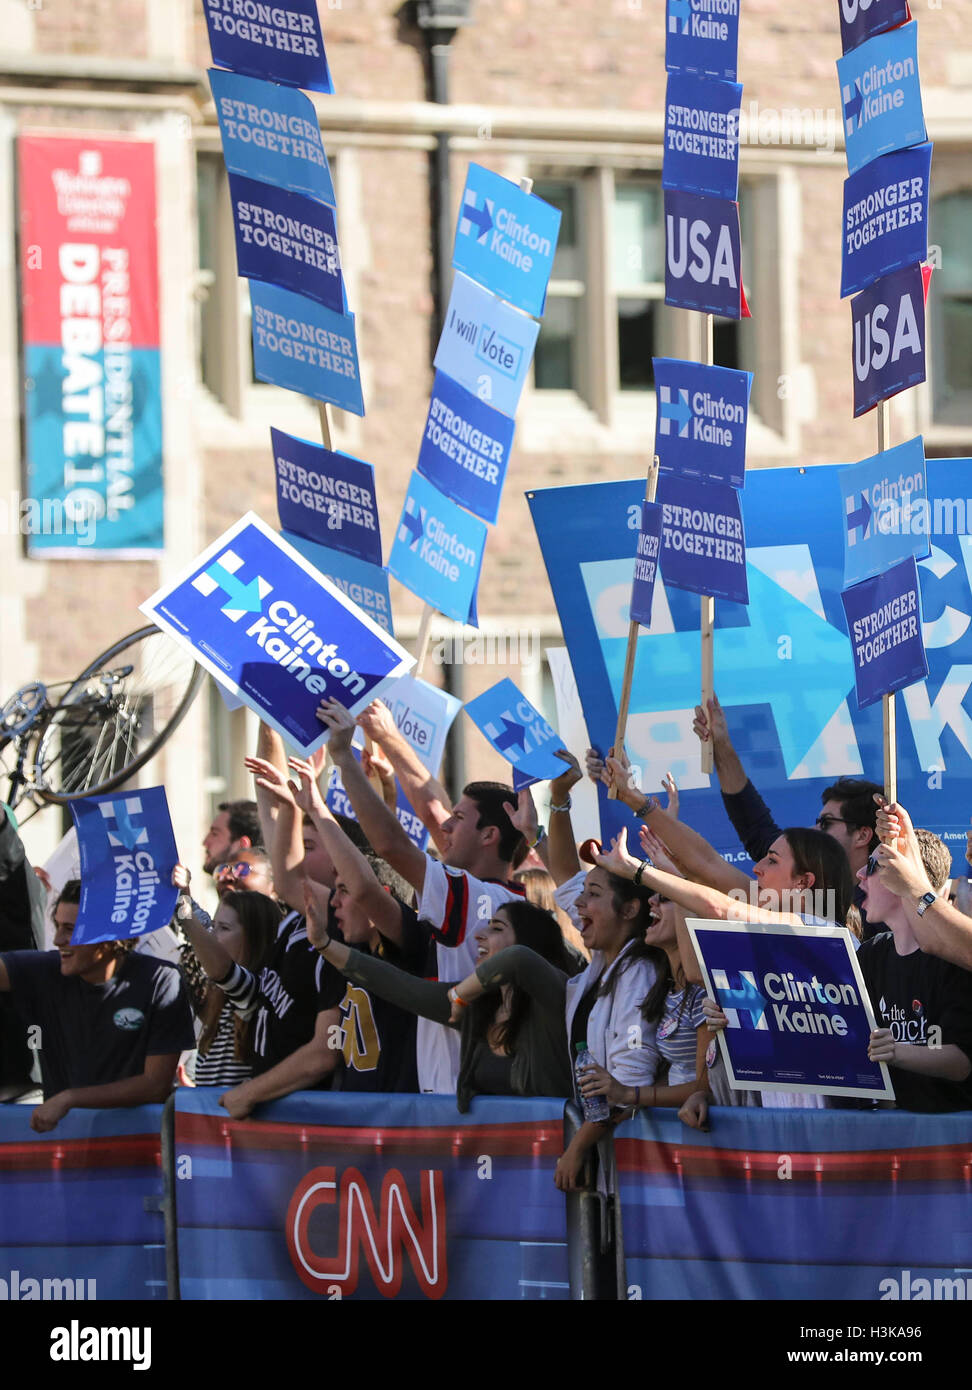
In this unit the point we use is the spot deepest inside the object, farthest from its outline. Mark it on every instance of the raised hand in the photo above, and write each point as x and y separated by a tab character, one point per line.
523	816
671	787
270	778
341	724
618	860
376	721
305	791
560	786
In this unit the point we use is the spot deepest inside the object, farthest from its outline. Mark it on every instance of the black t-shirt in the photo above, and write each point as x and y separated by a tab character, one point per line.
379	1038
91	1035
295	985
910	995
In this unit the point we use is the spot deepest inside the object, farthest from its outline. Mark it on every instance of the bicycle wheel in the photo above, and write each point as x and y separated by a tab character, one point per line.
114	717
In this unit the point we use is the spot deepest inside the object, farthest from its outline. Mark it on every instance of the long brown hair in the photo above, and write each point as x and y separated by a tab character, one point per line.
259	917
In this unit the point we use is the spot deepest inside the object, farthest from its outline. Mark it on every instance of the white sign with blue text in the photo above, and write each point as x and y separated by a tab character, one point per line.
438	551
486	345
506	239
885	501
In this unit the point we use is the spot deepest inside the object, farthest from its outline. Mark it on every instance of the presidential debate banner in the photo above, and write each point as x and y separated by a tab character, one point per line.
93	400
333	1197
785	665
128	852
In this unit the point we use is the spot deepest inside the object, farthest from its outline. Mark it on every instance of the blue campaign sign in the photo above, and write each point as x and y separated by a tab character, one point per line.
299	344
128	852
281	42
339	804
486	345
703	264
885	217
327	497
271	133
799	1014
702	38
884	622
646	562
702	136
362	582
518	732
281	636
438	551
862	19
288	240
889	337
885	501
701	414
703	546
881	96
506	239
465	448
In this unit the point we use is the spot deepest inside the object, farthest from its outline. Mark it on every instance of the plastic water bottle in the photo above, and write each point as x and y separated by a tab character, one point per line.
595	1108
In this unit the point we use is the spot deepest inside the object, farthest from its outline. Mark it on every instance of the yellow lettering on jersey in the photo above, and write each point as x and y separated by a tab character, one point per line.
362	1047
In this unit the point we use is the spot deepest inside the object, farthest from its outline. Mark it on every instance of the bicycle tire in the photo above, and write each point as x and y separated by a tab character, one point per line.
127	728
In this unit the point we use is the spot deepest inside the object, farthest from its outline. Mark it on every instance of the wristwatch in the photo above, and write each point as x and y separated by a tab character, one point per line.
925	902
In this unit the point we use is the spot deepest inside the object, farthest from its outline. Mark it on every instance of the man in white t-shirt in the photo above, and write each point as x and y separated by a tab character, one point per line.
479	844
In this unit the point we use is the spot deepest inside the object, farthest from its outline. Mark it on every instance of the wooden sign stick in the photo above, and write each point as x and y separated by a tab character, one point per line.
890	736
708	603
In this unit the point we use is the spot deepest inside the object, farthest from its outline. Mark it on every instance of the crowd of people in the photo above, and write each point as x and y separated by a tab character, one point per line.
341	956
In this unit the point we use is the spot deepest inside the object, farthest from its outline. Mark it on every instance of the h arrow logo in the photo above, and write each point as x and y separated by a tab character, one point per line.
679	10
242	598
476	221
745	999
680	411
411	528
124	835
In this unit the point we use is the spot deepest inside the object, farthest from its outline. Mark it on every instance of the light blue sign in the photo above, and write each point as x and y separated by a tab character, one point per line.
703	547
438	552
701	415
271	133
884	623
486	345
299	344
465	448
281	42
885	511
646	562
885	217
889	337
703	263
881	96
360	581
518	732
281	636
506	239
327	497
288	240
702	37
702	136
128	853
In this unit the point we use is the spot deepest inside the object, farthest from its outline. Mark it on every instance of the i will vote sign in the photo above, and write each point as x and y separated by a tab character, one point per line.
486	345
327	497
438	552
702	37
885	217
702	136
701	415
799	1015
885	499
465	448
881	96
128	853
703	547
286	239
299	344
518	732
281	41
889	337
862	19
280	635
506	239
646	563
703	261
361	581
423	716
884	622
271	133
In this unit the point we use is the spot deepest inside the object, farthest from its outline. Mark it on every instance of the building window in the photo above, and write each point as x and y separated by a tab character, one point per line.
637	279
556	363
951	304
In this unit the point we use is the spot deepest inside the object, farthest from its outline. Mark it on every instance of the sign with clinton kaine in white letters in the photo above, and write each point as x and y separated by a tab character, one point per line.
700	420
281	42
862	19
299	344
702	36
327	497
885	217
362	582
438	552
889	336
518	732
703	261
881	96
286	239
702	136
703	546
257	615
506	239
884	622
486	345
799	1014
885	509
465	448
271	133
128	852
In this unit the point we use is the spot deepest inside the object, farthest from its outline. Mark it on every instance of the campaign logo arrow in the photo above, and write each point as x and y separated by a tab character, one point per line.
412	528
857	521
746	1000
678	410
513	736
125	834
679	10
853	105
473	216
243	598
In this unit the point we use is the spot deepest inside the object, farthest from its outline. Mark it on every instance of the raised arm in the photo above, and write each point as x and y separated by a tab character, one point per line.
562	860
270	752
516	965
214	958
425	793
941	929
287	850
751	818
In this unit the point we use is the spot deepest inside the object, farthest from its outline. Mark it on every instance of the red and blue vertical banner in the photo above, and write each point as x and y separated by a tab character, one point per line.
90	286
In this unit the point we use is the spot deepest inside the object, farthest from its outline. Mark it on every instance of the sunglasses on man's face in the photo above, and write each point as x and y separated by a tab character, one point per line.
825	822
225	872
